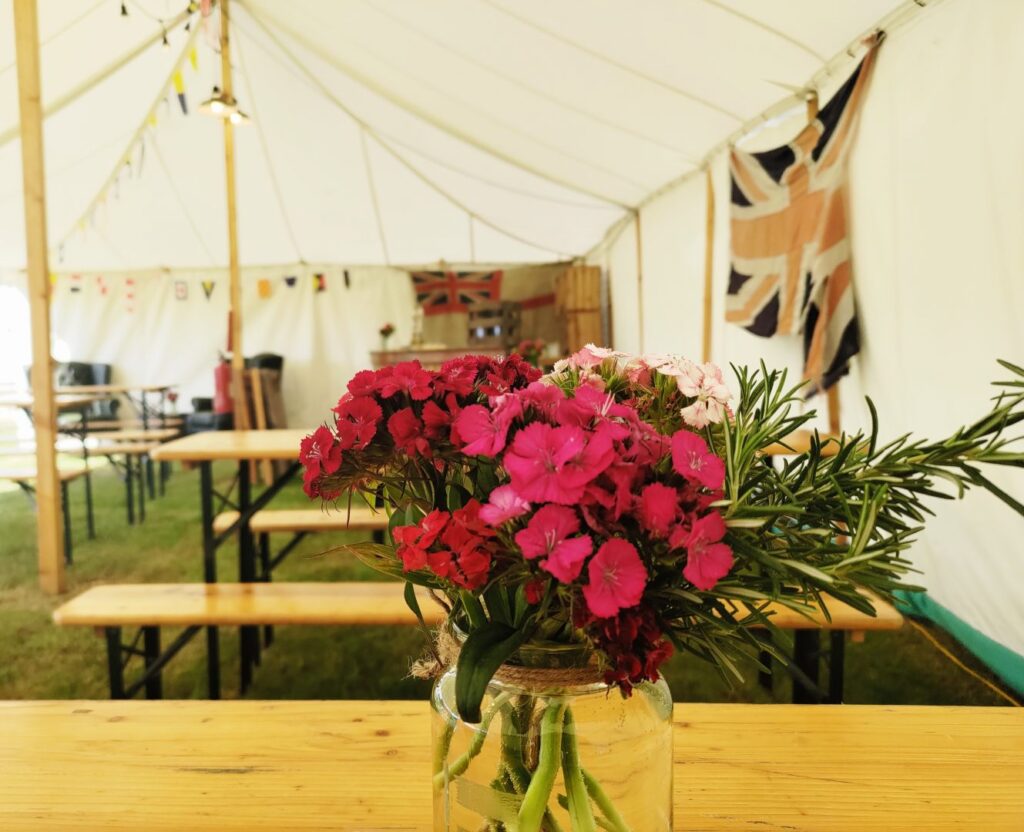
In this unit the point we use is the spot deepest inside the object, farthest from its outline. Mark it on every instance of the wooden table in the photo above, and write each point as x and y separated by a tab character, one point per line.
365	766
61	401
243	447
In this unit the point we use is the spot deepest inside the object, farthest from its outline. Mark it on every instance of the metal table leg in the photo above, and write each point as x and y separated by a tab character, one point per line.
151	647
66	511
140	470
806	658
836	669
90	520
114	668
209	574
129	487
248	636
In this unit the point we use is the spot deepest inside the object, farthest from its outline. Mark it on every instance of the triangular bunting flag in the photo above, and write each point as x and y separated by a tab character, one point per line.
181	290
129	294
263	288
76	283
101	284
289	280
179	88
208	288
348	281
193	58
319	282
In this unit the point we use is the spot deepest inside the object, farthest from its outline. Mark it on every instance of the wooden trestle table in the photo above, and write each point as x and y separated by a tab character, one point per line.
242	447
365	766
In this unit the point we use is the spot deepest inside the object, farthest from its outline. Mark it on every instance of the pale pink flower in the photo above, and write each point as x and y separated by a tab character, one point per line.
617	579
705	384
591	356
692	458
549	534
707	559
504	505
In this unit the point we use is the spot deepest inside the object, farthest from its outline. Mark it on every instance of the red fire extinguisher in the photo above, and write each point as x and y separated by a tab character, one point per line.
222	401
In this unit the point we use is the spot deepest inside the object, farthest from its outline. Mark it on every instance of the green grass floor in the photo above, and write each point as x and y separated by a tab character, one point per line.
41	661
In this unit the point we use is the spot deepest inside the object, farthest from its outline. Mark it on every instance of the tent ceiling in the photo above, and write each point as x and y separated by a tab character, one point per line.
392	130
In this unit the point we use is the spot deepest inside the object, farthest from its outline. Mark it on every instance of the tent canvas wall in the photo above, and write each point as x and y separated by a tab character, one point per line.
484	130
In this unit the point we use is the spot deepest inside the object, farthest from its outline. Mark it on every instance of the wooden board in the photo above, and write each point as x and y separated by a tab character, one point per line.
352	765
127	448
233	444
22	475
73	402
317	604
307	520
168	421
136	434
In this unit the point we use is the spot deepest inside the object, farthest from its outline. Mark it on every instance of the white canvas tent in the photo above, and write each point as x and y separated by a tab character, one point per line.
389	132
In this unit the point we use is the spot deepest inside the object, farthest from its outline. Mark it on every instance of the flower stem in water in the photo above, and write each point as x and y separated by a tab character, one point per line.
581	818
535	802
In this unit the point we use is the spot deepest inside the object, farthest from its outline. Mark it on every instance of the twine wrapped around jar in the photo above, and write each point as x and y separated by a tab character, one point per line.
446	651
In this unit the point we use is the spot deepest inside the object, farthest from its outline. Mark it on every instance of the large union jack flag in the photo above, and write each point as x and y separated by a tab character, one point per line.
790	245
444	292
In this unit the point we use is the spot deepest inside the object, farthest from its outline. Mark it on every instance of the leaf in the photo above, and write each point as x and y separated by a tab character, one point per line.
483	652
413	603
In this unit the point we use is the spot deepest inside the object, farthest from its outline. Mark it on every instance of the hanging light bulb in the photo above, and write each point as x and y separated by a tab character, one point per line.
222	105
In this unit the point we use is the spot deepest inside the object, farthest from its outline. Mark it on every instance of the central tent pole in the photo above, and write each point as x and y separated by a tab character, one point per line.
235	285
44	414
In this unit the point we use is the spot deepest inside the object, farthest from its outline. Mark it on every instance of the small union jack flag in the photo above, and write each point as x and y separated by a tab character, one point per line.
445	292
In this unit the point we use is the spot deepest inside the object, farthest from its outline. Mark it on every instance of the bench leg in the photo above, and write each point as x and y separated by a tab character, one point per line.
141	469
129	489
806	655
151	648
765	677
267	576
150	478
65	509
114	669
164	473
836	669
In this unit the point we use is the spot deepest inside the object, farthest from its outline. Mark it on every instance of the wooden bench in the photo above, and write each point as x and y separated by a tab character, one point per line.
194	606
25	480
166	422
136	434
300	522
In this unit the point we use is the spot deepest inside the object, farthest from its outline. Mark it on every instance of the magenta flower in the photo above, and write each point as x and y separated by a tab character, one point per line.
658	509
504	505
554	465
407	377
617	579
548	534
482	430
707	559
692	458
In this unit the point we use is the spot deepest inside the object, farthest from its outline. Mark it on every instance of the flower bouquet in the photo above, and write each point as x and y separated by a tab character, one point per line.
532	350
582	527
386	332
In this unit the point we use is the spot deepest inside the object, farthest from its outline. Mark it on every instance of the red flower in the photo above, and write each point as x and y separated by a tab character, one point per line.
435	420
617	579
407	431
407	377
367	382
357	421
707	560
692	458
320	453
458	375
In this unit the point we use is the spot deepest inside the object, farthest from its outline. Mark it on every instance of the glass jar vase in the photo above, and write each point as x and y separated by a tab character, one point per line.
559	759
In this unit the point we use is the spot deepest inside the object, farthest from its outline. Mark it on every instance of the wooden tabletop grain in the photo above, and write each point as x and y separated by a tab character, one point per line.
249	765
233	444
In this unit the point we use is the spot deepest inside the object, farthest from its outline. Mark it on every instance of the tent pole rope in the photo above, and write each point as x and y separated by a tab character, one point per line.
395	154
125	157
593	53
709	264
44	413
89	83
425	115
265	147
760	24
539	92
235	284
67	27
368	166
181	201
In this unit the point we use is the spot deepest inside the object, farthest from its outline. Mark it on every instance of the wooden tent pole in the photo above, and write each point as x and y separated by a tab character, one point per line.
833	391
44	413
235	286
709	261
